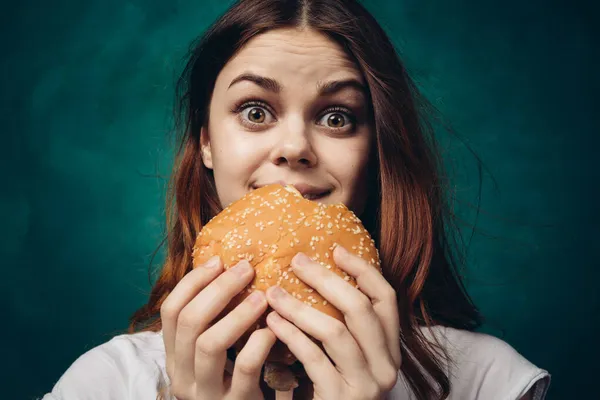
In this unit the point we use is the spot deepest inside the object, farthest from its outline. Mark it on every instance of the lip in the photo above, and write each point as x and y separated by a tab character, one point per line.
305	189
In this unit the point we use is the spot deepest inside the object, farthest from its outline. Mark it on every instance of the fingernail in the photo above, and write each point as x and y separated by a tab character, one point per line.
274	317
341	252
212	262
255	298
241	268
277	292
300	260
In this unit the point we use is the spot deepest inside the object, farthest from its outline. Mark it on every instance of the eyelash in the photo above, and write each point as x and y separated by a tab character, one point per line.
244	104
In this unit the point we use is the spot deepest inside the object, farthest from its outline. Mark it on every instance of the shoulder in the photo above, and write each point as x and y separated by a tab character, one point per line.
485	367
126	365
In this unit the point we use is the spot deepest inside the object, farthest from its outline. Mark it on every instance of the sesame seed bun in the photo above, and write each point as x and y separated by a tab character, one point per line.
268	227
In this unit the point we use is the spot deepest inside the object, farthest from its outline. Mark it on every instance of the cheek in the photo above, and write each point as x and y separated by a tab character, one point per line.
347	163
234	149
236	156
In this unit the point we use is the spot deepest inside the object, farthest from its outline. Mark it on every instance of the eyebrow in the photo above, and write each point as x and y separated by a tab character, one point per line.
323	88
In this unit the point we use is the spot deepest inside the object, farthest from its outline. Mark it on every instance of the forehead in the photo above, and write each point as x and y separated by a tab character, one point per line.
293	55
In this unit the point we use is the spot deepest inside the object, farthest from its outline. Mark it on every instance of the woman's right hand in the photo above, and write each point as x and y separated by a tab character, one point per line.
196	352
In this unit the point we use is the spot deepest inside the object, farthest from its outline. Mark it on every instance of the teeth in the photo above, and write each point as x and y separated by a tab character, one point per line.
312	196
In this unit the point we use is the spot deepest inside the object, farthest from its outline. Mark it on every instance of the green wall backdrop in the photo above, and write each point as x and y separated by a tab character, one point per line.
86	91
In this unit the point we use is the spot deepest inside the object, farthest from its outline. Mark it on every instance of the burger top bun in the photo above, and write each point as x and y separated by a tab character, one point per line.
268	227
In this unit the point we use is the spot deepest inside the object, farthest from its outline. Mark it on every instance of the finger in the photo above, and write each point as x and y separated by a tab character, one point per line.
382	295
212	345
187	288
361	319
249	362
336	339
200	312
316	364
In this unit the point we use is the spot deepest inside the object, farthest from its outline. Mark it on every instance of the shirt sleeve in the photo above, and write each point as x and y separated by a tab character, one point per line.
93	376
489	368
539	386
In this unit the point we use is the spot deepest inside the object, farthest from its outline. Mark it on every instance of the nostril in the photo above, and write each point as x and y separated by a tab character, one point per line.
301	161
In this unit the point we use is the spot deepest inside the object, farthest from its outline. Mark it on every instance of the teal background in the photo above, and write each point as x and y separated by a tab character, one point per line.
87	90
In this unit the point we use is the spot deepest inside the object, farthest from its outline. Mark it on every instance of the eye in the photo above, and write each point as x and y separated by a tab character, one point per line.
256	115
337	118
253	113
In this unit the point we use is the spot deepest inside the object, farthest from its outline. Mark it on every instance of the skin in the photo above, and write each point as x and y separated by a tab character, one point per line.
293	140
295	136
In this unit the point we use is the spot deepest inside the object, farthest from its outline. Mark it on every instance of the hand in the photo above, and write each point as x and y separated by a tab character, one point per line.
196	352
366	351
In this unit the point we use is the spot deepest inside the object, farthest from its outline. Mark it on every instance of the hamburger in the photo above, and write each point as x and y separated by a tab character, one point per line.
268	227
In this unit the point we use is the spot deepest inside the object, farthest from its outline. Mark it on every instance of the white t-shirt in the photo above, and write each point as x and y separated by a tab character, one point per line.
132	366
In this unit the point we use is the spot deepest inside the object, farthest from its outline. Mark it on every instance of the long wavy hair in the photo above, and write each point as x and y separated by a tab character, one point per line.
408	212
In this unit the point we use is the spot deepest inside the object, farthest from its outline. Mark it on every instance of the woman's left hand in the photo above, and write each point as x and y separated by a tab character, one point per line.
365	350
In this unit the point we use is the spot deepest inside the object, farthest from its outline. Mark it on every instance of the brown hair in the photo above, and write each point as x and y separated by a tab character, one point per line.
408	212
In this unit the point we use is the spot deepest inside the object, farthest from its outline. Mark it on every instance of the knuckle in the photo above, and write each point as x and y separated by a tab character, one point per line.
390	294
363	305
167	309
388	379
336	331
208	346
186	320
246	366
245	363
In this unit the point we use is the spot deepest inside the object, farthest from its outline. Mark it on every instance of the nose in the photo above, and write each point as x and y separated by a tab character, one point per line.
294	147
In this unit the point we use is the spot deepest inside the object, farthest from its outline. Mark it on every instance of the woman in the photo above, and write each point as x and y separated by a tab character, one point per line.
308	92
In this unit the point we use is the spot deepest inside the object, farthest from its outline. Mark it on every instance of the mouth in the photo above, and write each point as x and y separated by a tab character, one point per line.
315	196
309	192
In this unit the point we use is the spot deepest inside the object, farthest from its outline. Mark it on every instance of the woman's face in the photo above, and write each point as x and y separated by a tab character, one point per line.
290	107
